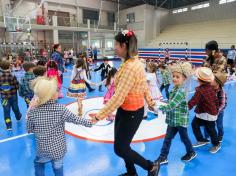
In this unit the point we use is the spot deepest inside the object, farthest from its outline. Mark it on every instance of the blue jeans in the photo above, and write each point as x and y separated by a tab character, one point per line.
28	98
7	104
219	124
210	128
39	165
170	134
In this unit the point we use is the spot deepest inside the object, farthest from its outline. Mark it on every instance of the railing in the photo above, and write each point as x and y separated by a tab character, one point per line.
65	21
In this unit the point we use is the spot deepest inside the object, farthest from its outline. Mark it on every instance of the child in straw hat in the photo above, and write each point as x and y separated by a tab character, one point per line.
206	110
218	84
47	122
177	114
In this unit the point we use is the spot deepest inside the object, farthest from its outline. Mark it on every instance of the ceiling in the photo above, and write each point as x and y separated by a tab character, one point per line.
169	4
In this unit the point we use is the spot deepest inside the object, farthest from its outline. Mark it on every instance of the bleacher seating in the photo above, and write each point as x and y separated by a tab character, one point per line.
197	34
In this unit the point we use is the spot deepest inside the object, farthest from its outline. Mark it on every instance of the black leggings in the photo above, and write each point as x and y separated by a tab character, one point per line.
126	125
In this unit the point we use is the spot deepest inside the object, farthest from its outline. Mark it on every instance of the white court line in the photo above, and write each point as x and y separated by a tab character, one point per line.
15	137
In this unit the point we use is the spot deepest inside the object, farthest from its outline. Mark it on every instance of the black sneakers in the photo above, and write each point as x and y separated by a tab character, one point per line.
9	128
189	156
162	160
91	90
201	143
220	138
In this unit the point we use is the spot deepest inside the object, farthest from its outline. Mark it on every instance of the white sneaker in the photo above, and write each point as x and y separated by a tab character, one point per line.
200	143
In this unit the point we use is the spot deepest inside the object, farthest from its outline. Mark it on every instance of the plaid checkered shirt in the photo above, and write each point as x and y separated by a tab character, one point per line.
131	89
176	110
222	100
47	122
25	83
219	64
8	84
166	77
205	99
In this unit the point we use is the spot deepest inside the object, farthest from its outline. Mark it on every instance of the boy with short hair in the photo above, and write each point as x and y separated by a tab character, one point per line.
25	90
39	71
8	92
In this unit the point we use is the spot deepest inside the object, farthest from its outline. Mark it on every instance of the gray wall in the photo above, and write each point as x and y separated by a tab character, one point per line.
214	12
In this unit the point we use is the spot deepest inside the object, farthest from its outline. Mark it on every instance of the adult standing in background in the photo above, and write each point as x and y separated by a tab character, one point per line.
58	58
214	60
131	90
231	56
95	53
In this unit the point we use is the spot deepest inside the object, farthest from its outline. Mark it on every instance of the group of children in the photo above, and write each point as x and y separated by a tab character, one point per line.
10	86
210	101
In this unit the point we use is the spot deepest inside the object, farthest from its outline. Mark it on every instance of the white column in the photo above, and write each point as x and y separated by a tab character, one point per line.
104	18
103	47
89	34
55	31
79	15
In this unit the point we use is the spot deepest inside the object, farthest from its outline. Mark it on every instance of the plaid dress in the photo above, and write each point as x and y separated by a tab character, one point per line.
177	108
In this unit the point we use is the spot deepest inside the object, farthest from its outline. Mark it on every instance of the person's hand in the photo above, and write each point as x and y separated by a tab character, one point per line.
151	108
94	119
93	84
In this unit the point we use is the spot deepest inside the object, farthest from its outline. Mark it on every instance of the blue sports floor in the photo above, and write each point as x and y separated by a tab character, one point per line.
87	158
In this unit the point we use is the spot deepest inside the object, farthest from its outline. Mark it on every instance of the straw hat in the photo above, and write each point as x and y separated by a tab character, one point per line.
220	78
184	68
44	88
205	74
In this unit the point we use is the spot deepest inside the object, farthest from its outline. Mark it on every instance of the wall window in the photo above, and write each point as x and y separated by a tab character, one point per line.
200	6
111	18
92	15
95	43
109	44
130	18
63	18
180	10
226	1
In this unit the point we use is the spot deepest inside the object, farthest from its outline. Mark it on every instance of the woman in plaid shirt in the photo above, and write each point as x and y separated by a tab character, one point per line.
130	91
177	115
47	122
